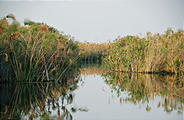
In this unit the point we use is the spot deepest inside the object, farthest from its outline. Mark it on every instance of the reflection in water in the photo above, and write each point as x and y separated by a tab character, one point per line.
128	96
91	69
38	101
141	88
92	98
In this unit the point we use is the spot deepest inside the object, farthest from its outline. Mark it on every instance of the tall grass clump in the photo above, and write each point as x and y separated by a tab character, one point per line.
34	52
153	53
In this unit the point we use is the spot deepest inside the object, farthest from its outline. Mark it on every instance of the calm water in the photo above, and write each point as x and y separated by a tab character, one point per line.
93	96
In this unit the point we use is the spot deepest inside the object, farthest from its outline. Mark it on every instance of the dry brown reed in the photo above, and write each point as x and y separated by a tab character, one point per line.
154	53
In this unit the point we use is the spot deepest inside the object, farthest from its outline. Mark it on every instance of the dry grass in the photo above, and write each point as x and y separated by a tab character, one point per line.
93	49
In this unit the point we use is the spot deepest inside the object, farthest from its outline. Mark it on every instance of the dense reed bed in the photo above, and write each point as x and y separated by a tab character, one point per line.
151	54
141	89
34	52
92	51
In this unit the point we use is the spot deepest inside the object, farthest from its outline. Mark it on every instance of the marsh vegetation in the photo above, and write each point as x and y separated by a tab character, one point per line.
35	52
151	54
93	52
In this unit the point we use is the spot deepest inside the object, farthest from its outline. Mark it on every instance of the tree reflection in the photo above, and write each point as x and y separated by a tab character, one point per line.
141	88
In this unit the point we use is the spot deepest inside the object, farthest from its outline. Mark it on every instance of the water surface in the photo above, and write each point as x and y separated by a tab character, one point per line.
105	103
94	95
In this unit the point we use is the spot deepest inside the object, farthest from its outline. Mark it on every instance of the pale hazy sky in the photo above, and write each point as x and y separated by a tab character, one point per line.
100	20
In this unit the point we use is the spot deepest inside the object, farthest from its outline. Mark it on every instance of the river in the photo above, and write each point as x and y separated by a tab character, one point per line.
93	95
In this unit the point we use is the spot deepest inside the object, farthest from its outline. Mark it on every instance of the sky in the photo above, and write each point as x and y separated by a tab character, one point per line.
100	21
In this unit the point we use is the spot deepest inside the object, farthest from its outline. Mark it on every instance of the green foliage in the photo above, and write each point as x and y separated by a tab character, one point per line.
28	22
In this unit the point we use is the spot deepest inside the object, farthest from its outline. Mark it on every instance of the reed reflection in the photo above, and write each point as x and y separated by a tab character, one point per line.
37	101
143	88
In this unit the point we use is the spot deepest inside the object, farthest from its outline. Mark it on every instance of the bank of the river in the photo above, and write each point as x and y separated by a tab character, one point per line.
151	54
93	52
35	52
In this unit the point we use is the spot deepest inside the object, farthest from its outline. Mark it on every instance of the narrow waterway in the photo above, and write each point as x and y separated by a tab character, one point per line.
92	96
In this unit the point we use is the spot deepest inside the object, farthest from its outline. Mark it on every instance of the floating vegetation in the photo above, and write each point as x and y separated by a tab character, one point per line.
34	52
152	54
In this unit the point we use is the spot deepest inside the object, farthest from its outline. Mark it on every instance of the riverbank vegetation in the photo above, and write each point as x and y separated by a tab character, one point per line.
35	52
151	54
93	52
